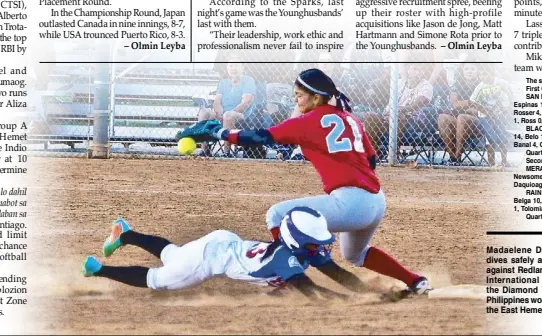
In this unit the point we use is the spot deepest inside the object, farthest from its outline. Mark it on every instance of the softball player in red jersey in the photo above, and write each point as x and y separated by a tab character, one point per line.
335	142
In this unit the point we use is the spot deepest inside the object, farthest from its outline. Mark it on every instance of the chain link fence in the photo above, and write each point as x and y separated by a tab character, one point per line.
451	110
60	98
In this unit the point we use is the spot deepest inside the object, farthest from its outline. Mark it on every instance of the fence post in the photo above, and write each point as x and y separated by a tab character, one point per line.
394	92
100	146
112	99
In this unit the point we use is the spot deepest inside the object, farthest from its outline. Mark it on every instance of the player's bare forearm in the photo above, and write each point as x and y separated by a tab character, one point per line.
342	276
277	292
311	290
329	294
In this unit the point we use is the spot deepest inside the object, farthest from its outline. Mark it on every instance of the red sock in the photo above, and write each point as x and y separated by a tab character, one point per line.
382	263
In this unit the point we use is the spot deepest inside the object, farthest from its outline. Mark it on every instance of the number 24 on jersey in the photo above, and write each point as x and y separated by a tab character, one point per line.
334	141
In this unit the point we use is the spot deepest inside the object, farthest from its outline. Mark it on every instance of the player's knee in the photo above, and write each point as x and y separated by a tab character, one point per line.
273	217
355	257
349	256
152	280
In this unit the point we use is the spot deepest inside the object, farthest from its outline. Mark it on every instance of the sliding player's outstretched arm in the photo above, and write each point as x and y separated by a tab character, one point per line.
342	276
311	290
291	276
325	264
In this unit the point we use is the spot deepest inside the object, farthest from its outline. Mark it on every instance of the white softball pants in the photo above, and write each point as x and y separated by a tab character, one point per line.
354	212
191	264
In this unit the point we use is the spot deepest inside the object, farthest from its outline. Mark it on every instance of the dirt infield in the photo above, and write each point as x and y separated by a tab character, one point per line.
435	223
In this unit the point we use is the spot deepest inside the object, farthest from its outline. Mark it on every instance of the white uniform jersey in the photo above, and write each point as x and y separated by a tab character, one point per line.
224	252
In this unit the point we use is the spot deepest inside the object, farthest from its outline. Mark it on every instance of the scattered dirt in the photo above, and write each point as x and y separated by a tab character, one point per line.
435	223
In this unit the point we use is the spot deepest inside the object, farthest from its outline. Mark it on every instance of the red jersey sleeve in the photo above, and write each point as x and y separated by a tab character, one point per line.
290	132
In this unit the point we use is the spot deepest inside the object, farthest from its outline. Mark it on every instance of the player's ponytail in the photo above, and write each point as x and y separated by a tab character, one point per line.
315	81
270	249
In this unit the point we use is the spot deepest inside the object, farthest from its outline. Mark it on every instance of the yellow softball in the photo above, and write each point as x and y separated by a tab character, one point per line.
186	146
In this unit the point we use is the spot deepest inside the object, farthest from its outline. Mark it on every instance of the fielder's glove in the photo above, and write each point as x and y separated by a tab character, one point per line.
202	131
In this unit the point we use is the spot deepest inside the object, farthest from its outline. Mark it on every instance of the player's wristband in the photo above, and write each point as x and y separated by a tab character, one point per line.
233	137
245	137
226	135
222	134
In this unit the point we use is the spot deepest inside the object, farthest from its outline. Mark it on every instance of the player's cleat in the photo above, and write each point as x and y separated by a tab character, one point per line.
91	266
421	286
112	243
